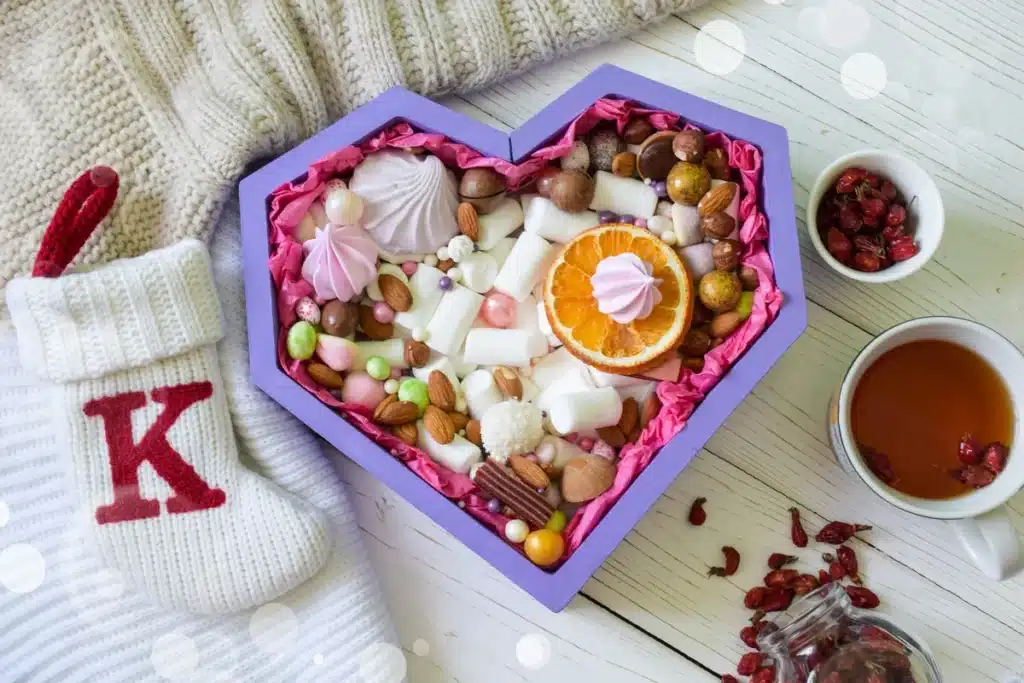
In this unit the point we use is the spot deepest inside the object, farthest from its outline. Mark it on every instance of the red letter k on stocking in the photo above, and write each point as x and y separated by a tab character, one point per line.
191	492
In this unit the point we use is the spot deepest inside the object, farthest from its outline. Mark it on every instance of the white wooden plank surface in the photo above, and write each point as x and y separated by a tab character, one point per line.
952	102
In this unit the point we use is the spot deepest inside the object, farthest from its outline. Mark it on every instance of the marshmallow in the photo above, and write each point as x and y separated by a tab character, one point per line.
391	350
481	392
524	266
399	259
582	410
451	321
501	222
525	200
698	259
478	271
545	325
462	368
664	208
528	320
442	363
459	455
551	223
530	390
734	206
426	295
608	379
502	249
686	224
659	224
623	195
373	289
637	392
493	346
556	365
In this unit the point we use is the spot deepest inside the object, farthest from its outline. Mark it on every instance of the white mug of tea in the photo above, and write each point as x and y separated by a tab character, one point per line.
901	411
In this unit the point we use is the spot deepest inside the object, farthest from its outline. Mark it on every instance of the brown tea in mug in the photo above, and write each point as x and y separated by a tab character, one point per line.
917	401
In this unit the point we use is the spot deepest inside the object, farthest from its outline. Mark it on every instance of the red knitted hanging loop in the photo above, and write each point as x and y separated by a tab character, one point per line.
84	205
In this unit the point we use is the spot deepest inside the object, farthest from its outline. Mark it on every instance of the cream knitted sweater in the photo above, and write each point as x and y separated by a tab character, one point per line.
180	95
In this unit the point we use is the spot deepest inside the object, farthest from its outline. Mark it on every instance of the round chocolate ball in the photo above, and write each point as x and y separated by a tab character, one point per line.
339	318
636	131
572	191
717	162
484	188
687	183
544	179
688	145
604	144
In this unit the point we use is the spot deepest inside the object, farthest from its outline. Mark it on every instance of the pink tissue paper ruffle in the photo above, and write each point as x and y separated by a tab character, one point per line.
291	201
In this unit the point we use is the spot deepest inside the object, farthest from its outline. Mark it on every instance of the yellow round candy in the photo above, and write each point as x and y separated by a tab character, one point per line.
544	547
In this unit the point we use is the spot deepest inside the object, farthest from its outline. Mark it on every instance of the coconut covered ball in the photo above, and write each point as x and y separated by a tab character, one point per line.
511	428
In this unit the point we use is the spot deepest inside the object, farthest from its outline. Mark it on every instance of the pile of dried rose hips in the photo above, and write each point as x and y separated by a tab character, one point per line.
782	585
981	465
862	221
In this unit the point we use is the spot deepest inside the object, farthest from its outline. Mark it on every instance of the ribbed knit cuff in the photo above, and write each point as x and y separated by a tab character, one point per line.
125	314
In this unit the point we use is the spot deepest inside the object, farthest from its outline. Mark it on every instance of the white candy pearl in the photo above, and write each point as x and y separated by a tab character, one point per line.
343	206
516	530
419	334
430	260
668	237
455	274
460	403
442	253
391	386
659	225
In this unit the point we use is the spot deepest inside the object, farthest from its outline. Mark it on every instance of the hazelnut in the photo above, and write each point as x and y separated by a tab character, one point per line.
695	343
688	145
572	191
636	131
726	254
624	164
748	278
482	187
695	364
718	225
717	162
656	159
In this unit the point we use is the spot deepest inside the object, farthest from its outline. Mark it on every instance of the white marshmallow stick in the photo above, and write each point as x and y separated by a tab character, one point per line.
583	410
524	266
500	223
545	325
391	350
459	455
502	249
686	225
492	346
478	271
525	199
481	392
608	379
426	295
442	363
623	195
451	321
547	220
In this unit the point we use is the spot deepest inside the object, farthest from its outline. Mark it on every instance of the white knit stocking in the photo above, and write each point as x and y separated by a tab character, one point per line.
140	406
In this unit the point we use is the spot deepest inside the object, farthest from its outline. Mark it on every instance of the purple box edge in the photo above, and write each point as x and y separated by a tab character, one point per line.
554	590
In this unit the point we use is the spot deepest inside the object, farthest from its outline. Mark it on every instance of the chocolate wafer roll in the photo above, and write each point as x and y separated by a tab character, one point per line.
529	506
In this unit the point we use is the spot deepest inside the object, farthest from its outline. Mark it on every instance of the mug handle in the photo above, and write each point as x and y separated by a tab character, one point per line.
992	543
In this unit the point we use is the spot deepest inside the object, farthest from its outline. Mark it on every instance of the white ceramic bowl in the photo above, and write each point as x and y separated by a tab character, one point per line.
926	217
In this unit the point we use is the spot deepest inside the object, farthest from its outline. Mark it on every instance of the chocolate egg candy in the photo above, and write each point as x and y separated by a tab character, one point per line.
725	324
748	276
726	254
624	164
688	145
695	343
577	159
718	225
717	162
587	477
544	179
719	291
636	131
604	144
572	191
339	318
656	158
484	188
687	183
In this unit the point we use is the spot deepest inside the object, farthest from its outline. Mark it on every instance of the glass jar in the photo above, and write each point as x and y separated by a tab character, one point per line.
823	639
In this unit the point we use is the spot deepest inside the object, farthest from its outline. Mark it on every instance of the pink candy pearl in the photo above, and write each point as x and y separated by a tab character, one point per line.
409	268
383	313
640	222
604	449
499	310
586	443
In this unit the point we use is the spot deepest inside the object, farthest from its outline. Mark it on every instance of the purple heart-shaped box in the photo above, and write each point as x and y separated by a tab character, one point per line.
554	589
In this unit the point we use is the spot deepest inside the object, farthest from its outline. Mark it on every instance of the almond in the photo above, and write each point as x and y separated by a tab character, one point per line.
377	331
446	265
439	425
459	420
630	415
417	354
508	381
718	199
652	406
530	472
469	222
324	376
473	432
407	432
395	292
440	391
587	477
391	411
612	436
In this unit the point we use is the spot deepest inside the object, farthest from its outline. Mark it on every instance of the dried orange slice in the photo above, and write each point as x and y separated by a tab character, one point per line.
594	337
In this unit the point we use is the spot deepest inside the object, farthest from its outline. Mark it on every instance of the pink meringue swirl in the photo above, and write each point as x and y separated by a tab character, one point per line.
340	261
625	288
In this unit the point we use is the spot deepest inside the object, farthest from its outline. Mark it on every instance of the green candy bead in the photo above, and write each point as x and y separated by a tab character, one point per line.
414	390
557	522
746	305
378	368
301	340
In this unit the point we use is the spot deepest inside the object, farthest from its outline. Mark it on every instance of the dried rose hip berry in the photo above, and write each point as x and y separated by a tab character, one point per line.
749	663
749	636
850	218
780	577
837	571
892	232
994	457
902	249
862	597
839	245
872	180
880	465
764	675
896	215
866	262
732	563
777	599
888	192
726	678
870	243
780	560
849	180
755	597
824	577
872	207
871	223
969	450
697	514
837	533
805	583
977	476
796	529
848	559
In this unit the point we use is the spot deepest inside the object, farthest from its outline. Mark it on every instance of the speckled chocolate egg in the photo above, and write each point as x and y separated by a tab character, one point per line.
656	158
636	131
339	318
718	225
726	254
688	145
604	144
687	183
720	291
717	162
572	191
484	188
578	158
